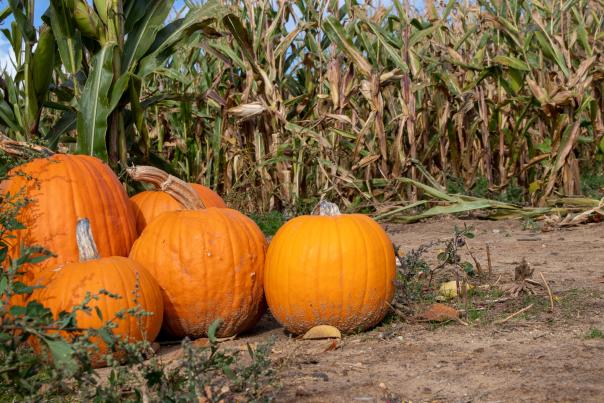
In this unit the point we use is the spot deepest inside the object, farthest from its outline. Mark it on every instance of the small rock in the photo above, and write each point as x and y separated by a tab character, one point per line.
300	391
320	375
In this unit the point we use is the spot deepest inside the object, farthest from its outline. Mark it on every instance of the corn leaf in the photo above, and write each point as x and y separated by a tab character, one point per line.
143	35
94	106
27	30
336	34
175	32
67	37
511	61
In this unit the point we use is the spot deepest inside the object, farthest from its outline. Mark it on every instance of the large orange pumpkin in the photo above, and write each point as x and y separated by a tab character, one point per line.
209	264
329	270
119	275
151	203
61	189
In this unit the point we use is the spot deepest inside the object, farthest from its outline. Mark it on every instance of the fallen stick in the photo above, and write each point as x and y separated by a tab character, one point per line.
21	148
495	301
549	292
499	322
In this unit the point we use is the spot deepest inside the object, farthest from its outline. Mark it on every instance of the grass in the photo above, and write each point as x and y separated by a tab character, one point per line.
511	194
594	333
269	222
592	185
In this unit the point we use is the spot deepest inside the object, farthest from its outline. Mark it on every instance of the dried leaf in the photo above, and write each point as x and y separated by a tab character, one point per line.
439	313
333	345
322	332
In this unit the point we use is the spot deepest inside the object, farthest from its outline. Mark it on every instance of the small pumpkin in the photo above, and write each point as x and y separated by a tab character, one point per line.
61	188
208	263
331	269
151	203
119	275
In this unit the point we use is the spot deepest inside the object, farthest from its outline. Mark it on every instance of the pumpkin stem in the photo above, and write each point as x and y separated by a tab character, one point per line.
22	149
177	188
326	208
86	245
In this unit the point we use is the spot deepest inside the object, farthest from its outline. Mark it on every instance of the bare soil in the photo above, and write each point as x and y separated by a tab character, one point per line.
536	356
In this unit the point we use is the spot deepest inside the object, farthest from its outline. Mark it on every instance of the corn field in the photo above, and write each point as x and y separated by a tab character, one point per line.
277	103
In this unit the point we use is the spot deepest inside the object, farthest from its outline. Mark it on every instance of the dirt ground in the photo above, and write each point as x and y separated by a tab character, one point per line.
536	356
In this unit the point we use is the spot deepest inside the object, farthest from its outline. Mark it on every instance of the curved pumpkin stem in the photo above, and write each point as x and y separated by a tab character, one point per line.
22	149
177	188
86	245
326	208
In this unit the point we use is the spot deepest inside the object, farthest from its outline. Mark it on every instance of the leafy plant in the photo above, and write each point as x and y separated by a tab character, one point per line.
415	274
595	333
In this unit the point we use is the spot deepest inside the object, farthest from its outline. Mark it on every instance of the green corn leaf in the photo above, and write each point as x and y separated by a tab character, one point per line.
230	52
335	32
5	13
286	42
548	46
511	61
7	117
421	35
133	12
391	50
168	37
88	22
27	30
66	122
241	36
460	207
67	37
582	35
43	62
143	34
118	89
94	105
102	8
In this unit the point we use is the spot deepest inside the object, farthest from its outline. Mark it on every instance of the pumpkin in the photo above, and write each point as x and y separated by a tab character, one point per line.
332	269
61	189
151	203
208	263
118	275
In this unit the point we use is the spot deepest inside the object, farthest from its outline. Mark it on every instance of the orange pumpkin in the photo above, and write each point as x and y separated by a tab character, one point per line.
333	270
208	263
61	189
151	203
69	284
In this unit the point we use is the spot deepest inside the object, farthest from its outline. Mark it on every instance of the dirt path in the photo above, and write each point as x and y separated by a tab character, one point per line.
538	356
